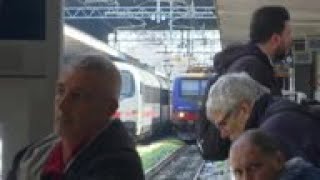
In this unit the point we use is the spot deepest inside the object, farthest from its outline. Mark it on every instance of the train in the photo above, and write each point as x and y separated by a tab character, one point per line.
144	101
187	94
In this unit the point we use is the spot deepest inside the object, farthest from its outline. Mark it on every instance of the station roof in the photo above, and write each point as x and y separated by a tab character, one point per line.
234	17
101	27
77	42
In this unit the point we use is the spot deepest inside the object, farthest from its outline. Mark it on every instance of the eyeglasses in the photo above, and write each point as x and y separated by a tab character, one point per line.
223	122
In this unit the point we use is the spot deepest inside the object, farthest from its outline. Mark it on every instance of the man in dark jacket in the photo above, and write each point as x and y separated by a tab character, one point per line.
88	143
270	41
257	156
236	103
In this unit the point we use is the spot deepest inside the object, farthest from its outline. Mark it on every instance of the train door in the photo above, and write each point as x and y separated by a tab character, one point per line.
150	104
128	109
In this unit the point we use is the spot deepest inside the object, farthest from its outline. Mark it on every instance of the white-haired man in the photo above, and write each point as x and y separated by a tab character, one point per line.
236	103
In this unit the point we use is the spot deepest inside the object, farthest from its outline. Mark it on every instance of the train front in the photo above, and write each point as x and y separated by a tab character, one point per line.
188	92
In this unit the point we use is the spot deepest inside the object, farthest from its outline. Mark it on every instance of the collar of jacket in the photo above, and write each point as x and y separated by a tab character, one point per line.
254	48
296	167
258	111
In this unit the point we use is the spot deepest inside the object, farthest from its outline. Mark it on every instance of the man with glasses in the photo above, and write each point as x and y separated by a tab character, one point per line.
236	103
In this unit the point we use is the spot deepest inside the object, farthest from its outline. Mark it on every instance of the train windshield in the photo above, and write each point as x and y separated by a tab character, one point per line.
127	84
193	88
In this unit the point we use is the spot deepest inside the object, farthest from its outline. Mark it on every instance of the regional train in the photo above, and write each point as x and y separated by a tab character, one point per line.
144	100
187	94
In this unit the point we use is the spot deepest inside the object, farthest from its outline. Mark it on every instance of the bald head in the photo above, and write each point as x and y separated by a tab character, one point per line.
256	137
256	155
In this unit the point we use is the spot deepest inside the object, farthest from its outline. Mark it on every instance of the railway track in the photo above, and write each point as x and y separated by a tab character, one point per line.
184	164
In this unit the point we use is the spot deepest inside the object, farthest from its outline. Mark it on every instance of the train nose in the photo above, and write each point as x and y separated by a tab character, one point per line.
186	116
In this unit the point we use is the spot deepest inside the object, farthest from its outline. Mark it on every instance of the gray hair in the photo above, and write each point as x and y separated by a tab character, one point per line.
99	64
230	89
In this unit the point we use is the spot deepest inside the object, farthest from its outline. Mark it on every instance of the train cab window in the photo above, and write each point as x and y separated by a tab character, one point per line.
189	87
192	87
127	84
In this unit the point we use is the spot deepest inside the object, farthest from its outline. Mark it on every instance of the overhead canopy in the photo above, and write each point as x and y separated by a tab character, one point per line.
234	17
78	42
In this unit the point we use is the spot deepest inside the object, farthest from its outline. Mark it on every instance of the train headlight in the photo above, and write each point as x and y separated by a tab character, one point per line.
181	114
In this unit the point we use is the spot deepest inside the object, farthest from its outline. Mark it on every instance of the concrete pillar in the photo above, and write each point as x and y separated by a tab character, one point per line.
28	70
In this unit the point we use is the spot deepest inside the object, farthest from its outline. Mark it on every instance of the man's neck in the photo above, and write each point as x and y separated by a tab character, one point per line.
69	147
71	143
266	49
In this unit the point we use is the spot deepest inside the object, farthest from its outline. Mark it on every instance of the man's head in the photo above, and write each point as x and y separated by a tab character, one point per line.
230	102
256	156
270	25
87	95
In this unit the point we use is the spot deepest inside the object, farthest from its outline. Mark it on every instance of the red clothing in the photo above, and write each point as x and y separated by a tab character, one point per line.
55	166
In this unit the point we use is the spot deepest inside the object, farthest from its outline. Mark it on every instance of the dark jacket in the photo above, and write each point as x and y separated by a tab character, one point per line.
250	59
299	169
111	156
212	146
291	124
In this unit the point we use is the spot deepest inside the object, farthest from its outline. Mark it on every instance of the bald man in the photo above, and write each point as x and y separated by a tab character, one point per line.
87	143
257	156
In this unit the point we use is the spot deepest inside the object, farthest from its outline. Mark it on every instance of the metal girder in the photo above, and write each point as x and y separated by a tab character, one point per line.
139	12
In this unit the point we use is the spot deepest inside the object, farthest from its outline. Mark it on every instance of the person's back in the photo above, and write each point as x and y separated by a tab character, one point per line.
250	59
289	122
299	169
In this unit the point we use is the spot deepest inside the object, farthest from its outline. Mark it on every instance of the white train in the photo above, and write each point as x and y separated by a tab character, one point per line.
144	103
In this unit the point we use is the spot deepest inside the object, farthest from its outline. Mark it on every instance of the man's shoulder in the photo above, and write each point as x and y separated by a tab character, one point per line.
297	168
113	139
32	155
286	118
252	56
248	60
112	153
40	145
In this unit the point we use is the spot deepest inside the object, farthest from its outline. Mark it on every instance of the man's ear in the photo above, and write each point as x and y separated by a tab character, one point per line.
112	107
244	111
245	107
275	38
280	160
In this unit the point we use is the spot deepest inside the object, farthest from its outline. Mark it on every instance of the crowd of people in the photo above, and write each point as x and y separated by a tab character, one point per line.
265	136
